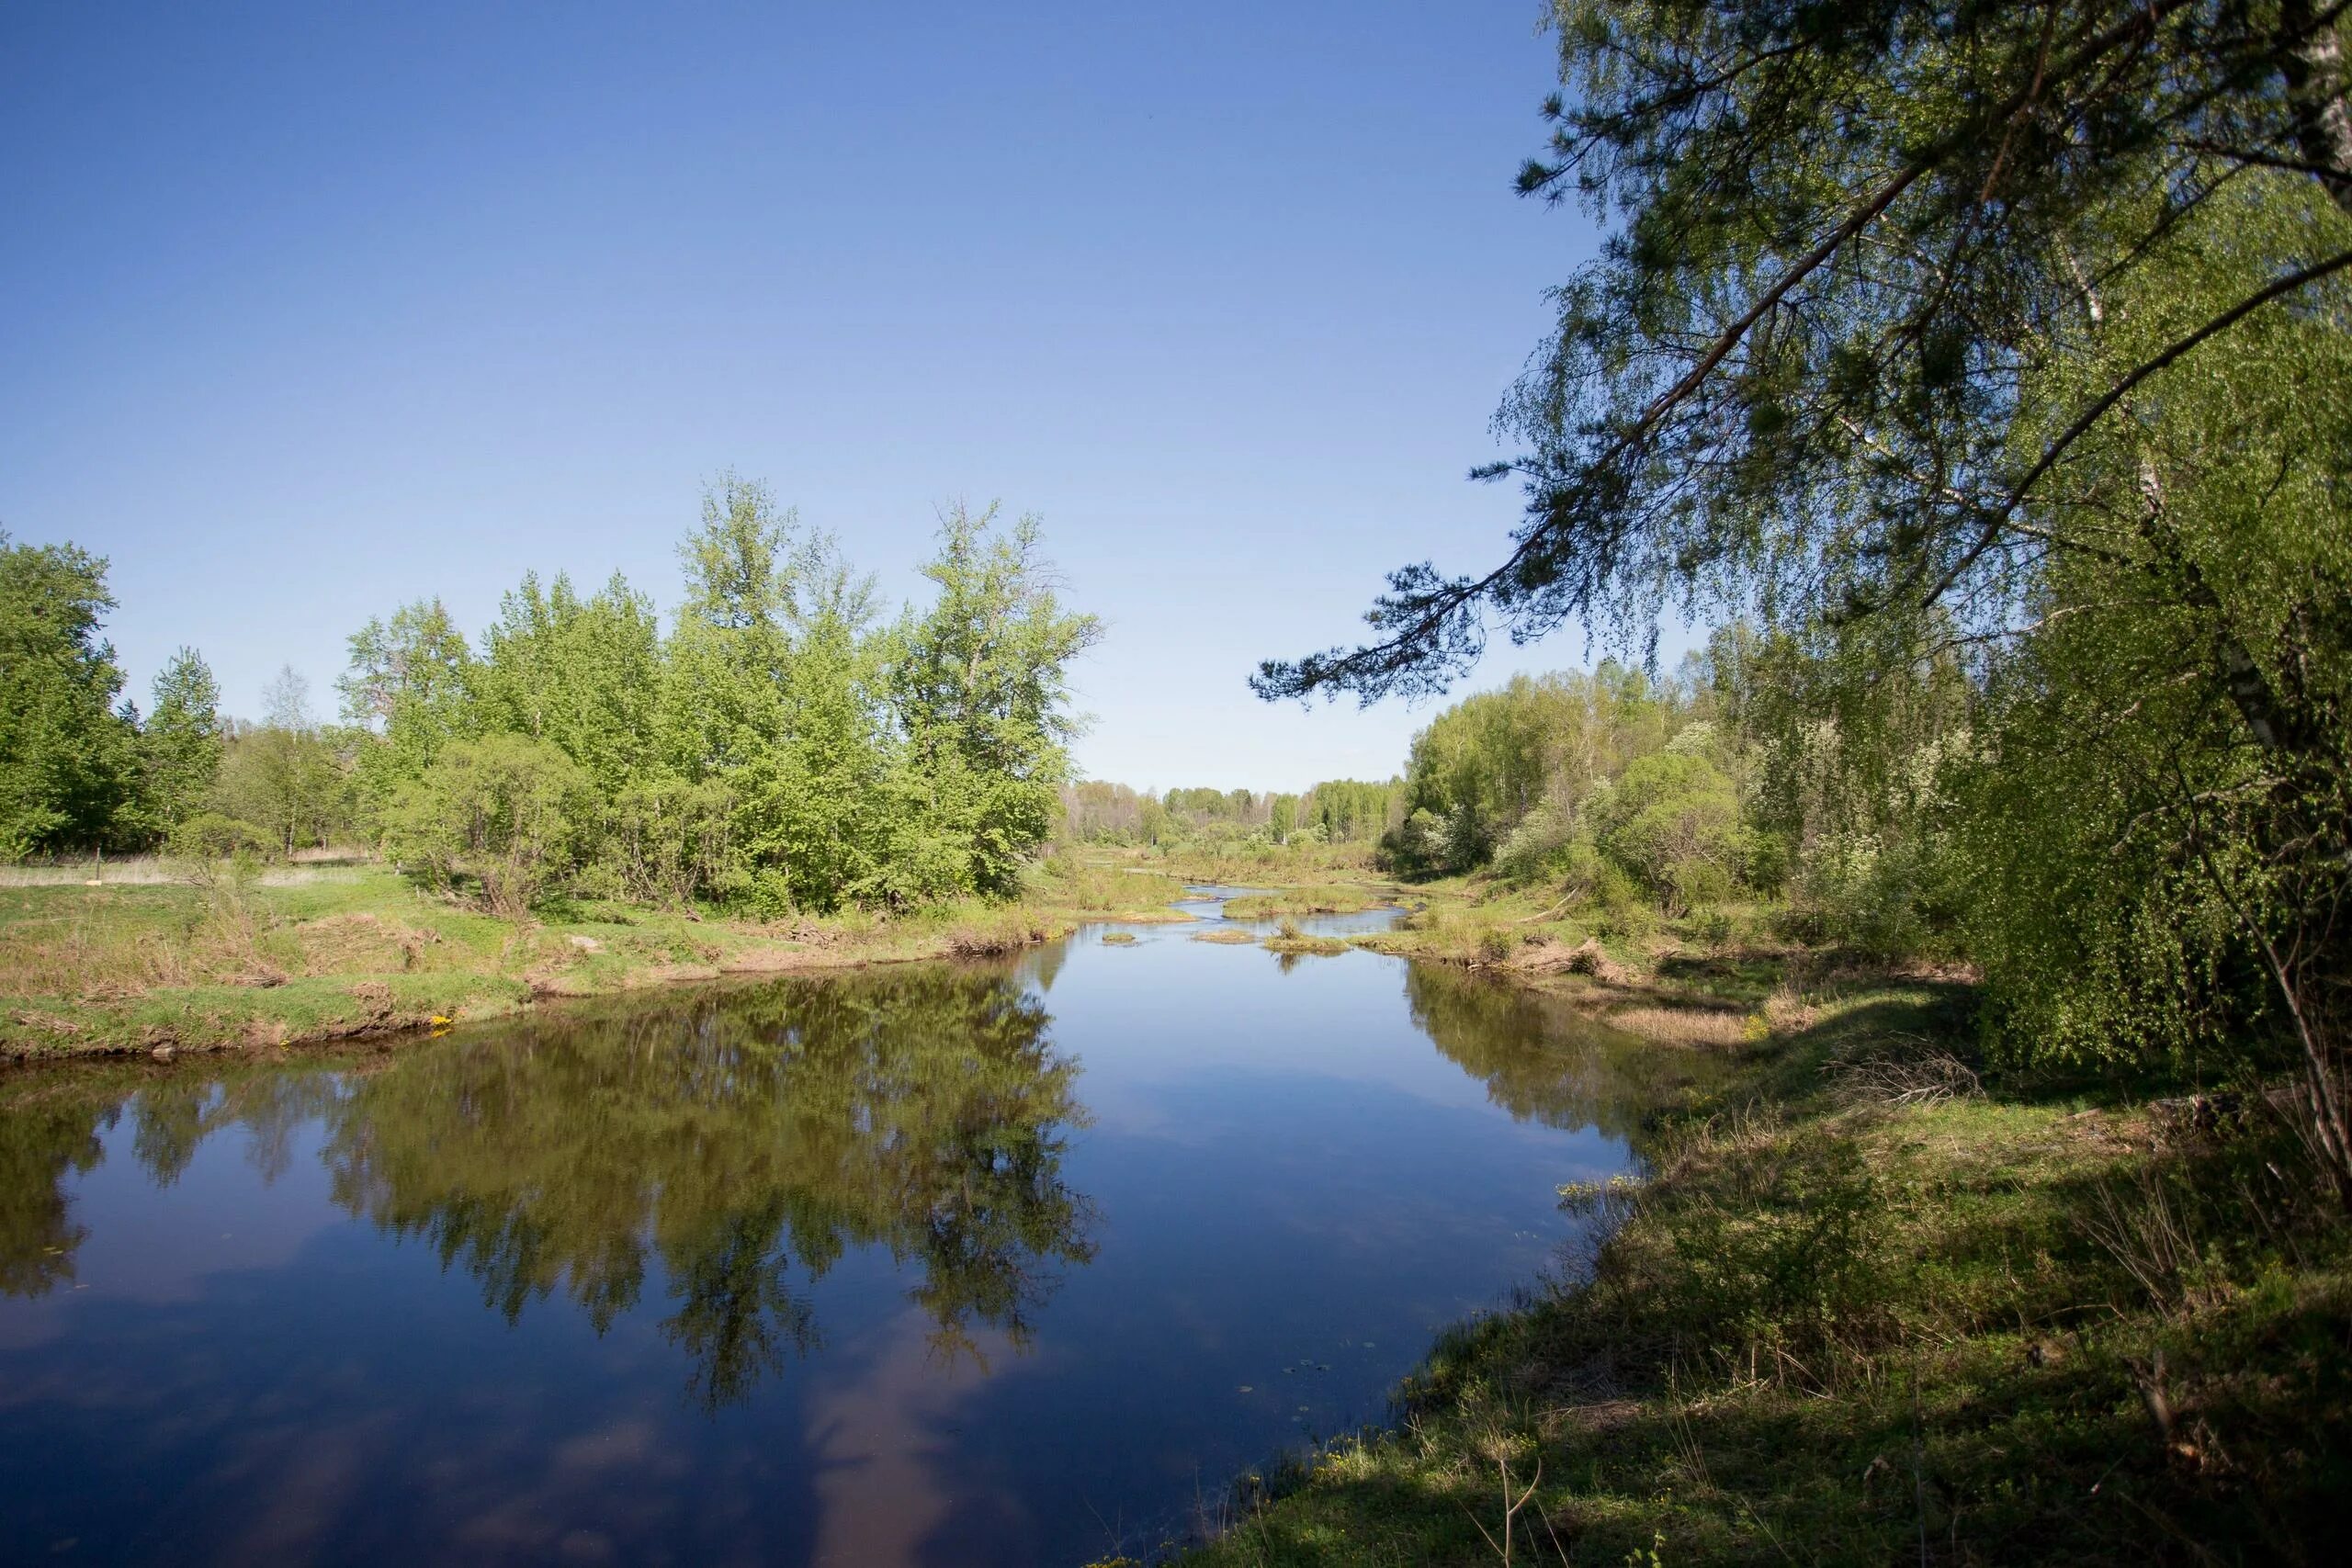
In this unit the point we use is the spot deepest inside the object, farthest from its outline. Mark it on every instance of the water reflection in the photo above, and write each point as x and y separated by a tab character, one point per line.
45	1137
438	1302
743	1143
1543	1059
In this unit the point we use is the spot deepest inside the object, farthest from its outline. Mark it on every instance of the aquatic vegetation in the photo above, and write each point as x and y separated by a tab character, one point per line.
1290	941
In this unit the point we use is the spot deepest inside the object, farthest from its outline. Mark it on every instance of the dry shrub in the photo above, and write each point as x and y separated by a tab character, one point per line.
1585	958
1903	1069
1010	935
2151	1234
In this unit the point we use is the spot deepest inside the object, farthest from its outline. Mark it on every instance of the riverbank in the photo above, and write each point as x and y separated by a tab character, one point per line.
351	951
1876	1303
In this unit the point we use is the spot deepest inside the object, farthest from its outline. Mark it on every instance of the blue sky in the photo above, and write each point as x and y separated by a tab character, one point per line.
311	309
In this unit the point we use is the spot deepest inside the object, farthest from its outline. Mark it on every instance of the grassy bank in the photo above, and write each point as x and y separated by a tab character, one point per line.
350	950
1875	1304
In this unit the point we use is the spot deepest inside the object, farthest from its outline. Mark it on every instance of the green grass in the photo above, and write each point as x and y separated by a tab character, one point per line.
1851	1311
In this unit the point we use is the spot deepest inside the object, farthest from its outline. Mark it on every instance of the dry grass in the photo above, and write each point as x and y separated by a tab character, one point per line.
95	951
361	945
1786	1011
302	868
1226	936
1685	1026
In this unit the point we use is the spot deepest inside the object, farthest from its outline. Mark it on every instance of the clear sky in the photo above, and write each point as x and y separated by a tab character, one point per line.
309	309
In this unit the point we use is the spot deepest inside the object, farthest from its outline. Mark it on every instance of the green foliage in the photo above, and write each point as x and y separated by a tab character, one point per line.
1842	243
780	749
667	840
1619	791
1207	820
209	836
287	775
1346	811
1672	820
410	682
1509	772
505	811
584	676
2161	815
67	758
979	684
1993	359
182	743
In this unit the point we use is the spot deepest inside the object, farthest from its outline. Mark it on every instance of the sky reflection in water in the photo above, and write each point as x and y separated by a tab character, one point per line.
927	1265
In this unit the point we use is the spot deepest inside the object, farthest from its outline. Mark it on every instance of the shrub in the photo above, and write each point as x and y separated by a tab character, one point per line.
505	811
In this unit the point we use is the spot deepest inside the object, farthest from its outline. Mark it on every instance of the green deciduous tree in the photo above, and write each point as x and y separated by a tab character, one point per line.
584	676
181	744
779	751
67	758
287	775
722	695
980	682
411	682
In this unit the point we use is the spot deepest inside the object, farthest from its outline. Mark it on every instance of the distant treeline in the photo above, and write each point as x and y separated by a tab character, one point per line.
781	747
1337	811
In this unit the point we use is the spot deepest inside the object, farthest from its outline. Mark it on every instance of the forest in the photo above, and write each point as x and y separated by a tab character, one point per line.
782	748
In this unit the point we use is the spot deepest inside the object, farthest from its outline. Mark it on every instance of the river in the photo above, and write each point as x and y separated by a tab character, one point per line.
946	1264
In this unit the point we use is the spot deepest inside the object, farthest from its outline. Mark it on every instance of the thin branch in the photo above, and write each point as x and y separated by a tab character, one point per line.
2090	416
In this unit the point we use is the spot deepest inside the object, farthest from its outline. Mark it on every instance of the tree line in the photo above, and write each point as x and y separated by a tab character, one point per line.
1335	811
782	746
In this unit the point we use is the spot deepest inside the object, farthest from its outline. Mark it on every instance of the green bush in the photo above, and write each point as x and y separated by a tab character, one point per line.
506	811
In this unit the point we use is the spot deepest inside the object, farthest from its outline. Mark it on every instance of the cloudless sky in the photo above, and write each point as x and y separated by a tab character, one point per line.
309	309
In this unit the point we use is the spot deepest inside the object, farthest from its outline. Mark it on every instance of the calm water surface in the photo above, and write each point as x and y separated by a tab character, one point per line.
936	1264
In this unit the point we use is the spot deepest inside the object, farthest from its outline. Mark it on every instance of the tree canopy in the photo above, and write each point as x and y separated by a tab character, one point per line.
1836	354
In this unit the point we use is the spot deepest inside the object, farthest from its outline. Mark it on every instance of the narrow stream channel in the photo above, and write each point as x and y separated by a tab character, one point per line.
1016	1263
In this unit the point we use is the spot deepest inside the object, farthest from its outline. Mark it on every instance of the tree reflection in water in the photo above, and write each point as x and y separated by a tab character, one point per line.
1543	1060
736	1138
